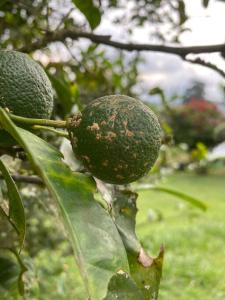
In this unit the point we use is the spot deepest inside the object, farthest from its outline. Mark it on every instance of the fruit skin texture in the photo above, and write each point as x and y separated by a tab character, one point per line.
24	86
117	138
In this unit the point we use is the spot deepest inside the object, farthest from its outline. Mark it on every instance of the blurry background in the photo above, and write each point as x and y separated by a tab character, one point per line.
69	38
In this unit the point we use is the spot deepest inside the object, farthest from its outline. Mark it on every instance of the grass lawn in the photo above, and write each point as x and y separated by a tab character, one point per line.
194	265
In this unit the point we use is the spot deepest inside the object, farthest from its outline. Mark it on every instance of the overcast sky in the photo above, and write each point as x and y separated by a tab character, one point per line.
169	71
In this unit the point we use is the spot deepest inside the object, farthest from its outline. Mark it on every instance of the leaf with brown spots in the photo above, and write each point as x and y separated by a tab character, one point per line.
144	270
97	245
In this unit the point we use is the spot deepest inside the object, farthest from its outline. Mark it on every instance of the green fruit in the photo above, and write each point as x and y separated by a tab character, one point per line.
117	138
25	89
24	86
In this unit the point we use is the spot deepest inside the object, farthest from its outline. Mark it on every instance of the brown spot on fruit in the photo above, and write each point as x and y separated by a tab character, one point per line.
75	121
93	127
103	123
125	123
110	136
98	136
129	133
112	117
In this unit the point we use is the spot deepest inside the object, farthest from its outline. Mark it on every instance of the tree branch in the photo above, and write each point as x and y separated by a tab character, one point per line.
61	35
204	63
26	179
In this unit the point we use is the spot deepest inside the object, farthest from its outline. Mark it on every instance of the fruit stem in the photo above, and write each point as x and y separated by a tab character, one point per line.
58	132
44	122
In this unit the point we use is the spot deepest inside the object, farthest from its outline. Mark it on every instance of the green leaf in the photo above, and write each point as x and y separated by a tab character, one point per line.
3	2
6	226
90	11
122	287
16	209
190	199
145	270
124	212
157	91
66	92
182	12
12	269
160	92
97	246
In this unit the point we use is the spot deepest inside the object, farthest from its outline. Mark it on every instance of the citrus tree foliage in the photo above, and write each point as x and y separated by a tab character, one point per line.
87	72
111	261
86	221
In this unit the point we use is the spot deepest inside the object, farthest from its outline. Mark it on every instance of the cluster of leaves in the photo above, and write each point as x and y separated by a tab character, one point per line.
43	16
116	265
195	122
14	19
89	75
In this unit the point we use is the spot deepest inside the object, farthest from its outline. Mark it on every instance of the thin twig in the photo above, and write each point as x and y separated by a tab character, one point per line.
59	133
26	179
63	19
204	63
47	17
43	122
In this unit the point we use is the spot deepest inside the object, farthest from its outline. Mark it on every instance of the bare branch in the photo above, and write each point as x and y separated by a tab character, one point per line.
26	179
204	63
64	19
61	35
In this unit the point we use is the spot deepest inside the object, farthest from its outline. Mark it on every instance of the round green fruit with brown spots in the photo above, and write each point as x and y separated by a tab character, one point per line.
117	138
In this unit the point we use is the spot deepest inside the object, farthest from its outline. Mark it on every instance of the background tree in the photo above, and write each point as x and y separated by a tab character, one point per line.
196	90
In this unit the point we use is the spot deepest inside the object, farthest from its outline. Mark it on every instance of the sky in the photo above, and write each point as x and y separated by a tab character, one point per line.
169	71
